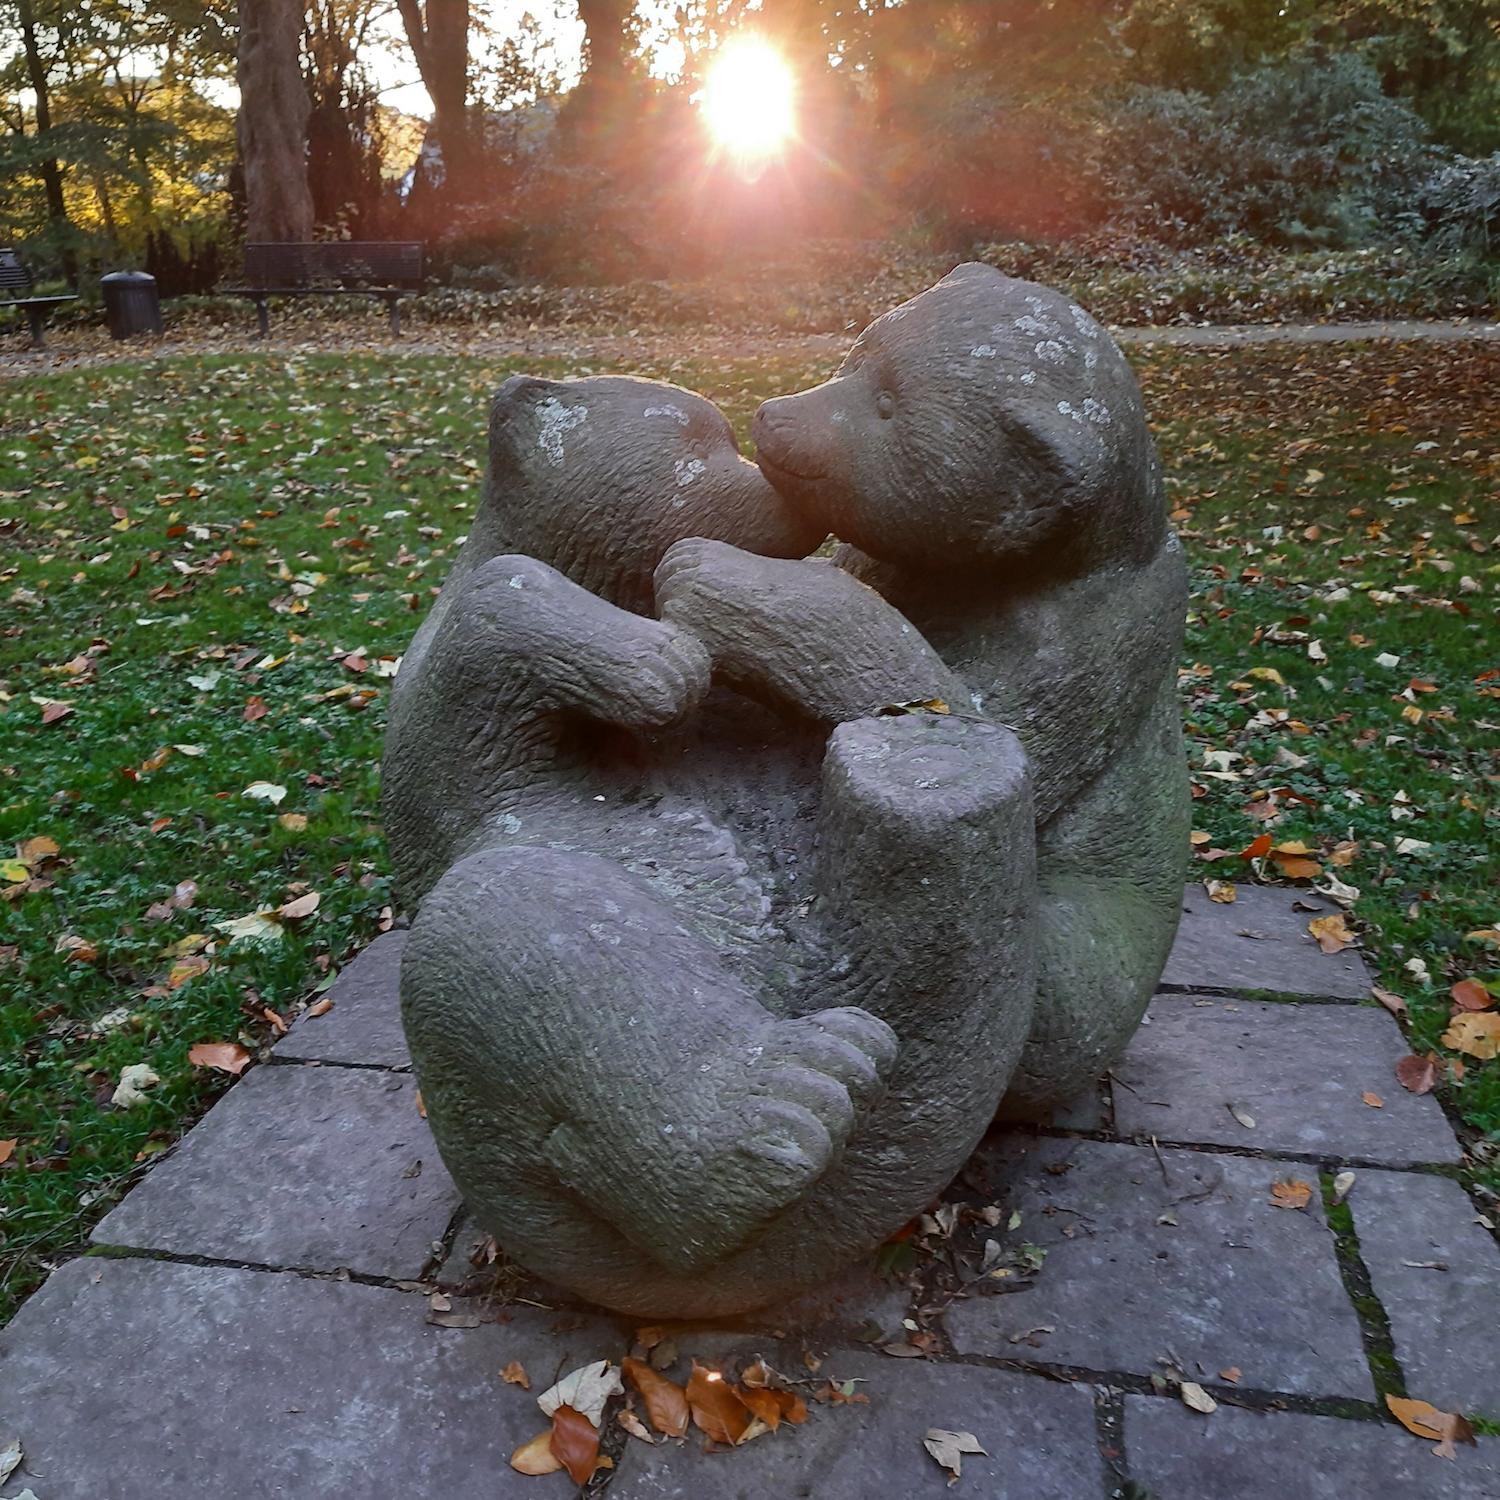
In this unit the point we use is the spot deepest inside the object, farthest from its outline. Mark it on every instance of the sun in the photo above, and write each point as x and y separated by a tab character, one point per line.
747	100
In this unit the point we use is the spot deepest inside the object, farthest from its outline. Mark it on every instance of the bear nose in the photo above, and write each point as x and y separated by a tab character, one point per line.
778	432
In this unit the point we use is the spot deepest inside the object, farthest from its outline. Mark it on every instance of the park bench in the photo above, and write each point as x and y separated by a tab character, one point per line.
15	277
388	269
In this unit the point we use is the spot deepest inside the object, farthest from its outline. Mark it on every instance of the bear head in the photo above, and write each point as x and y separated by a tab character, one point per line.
599	476
986	423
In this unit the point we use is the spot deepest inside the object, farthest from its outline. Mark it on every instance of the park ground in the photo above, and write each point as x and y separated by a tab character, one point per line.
213	561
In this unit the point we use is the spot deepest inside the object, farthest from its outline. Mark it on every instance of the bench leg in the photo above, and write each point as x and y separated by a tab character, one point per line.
394	303
37	317
263	317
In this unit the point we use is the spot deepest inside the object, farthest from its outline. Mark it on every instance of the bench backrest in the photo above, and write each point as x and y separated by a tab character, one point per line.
14	277
342	262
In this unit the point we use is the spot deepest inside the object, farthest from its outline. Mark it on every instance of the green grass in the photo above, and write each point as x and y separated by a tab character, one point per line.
251	522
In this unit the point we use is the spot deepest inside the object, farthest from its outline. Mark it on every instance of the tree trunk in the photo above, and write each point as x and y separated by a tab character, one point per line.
440	44
52	178
273	122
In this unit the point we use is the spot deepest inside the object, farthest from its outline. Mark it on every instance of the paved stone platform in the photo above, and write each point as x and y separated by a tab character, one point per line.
256	1319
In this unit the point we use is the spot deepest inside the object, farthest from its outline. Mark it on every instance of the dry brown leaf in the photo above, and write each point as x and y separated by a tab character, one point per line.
1424	1420
716	1408
1469	994
1392	1002
536	1457
1231	1374
1476	1034
515	1374
293	822
1373	1099
1221	891
1296	868
666	1401
575	1443
1291	1192
319	1007
34	850
1417	1075
947	1449
633	1425
303	906
1332	932
1257	848
1197	1399
227	1057
8	1149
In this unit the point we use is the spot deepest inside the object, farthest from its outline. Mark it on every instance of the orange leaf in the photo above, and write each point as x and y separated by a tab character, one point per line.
1392	1002
227	1057
1257	848
536	1457
716	1408
1469	994
515	1374
1373	1099
1426	1421
1417	1075
666	1401
1294	867
1474	1033
773	1407
1332	933
1291	1192
8	1149
319	1007
575	1442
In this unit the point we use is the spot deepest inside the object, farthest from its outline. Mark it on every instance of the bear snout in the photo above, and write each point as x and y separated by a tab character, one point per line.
782	449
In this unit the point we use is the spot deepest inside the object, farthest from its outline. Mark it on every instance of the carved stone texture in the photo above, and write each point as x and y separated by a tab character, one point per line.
727	936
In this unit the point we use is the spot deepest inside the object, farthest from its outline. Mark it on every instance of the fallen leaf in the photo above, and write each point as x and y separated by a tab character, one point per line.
1231	1374
1342	1185
1417	1075
1373	1099
1332	932
303	906
1291	1192
575	1443
666	1401
716	1408
8	1149
319	1007
52	712
10	1458
948	1447
1470	994
255	927
536	1457
227	1057
585	1389
135	1080
265	791
1257	848
33	851
1220	890
1196	1398
774	1407
633	1425
1242	1117
1474	1033
293	822
1392	1002
1424	1420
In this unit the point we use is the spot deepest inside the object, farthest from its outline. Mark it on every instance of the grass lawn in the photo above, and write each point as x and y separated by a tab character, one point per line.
210	563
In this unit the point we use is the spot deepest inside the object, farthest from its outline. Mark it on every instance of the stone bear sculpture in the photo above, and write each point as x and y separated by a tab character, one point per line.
665	1072
984	452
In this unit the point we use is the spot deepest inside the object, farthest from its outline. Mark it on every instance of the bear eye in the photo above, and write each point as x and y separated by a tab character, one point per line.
885	404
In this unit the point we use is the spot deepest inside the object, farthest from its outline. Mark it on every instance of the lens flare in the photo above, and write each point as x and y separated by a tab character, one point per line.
747	100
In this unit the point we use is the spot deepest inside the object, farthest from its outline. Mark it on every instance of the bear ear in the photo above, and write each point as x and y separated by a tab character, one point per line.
518	393
973	271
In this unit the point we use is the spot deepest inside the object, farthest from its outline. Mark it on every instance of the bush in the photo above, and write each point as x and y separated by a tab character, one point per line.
1462	202
1307	152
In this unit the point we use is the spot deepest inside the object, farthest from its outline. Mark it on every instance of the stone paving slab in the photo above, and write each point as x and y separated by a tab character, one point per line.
317	1168
1175	1454
1299	1071
134	1379
1038	1433
1233	1282
364	1024
1260	942
1437	1273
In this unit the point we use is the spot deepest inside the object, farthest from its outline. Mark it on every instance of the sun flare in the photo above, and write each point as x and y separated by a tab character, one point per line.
747	99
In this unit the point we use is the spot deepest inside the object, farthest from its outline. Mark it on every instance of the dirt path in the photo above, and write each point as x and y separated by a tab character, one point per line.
85	348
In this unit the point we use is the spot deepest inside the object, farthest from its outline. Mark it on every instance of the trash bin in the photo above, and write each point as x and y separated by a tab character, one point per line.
130	303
